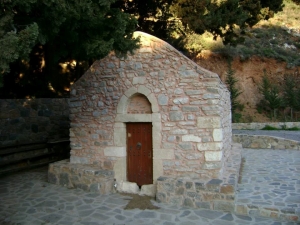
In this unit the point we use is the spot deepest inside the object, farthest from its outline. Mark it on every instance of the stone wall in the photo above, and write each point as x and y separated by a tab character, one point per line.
265	142
217	194
212	194
190	112
33	120
86	177
259	126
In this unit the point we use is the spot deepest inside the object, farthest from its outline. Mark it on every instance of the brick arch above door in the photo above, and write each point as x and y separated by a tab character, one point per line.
123	103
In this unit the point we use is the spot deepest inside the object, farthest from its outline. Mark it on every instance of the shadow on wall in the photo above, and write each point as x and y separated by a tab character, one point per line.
33	132
25	121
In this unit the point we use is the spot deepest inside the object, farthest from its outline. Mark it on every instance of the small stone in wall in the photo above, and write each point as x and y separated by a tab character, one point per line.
163	99
182	100
185	146
178	91
176	116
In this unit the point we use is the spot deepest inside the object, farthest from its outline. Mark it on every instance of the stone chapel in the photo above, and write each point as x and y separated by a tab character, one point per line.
147	118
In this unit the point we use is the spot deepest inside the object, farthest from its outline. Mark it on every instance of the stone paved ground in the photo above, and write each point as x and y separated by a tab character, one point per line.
26	198
270	182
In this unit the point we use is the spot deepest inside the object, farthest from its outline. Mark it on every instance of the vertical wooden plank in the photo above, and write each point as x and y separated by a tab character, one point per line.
139	153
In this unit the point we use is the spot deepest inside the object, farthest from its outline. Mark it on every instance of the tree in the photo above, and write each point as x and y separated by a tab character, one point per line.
234	92
270	92
38	35
50	43
222	17
290	94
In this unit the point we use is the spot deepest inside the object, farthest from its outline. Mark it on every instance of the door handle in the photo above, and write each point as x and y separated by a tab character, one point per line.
138	145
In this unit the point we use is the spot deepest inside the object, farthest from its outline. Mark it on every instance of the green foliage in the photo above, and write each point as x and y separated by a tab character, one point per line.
82	31
269	38
268	127
195	43
38	35
15	44
234	93
293	128
236	117
271	99
296	2
173	19
290	94
154	16
221	18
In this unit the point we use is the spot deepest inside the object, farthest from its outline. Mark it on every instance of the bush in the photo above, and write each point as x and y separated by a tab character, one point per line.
271	97
234	93
268	127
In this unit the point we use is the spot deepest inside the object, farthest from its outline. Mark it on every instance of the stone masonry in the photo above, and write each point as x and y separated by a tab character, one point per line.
259	126
25	121
88	178
188	106
216	194
265	142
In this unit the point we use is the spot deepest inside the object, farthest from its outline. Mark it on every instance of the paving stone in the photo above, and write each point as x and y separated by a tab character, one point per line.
120	217
248	218
276	190
276	223
31	210
227	217
208	214
52	218
293	199
166	217
145	214
88	201
84	208
99	216
104	208
187	223
90	223
193	217
85	212
185	213
169	223
47	204
222	222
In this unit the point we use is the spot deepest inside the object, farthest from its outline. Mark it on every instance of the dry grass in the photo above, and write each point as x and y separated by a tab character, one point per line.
289	17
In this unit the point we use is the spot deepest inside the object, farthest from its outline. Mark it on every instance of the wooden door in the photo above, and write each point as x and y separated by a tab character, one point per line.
139	153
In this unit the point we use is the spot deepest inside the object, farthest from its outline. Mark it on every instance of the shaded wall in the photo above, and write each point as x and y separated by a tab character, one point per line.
33	120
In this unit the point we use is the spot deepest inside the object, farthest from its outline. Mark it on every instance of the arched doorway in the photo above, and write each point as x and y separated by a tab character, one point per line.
132	118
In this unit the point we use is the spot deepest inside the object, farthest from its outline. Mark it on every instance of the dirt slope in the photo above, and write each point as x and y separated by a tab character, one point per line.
249	73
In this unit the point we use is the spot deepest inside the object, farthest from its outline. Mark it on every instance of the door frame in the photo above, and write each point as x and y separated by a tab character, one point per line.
120	166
